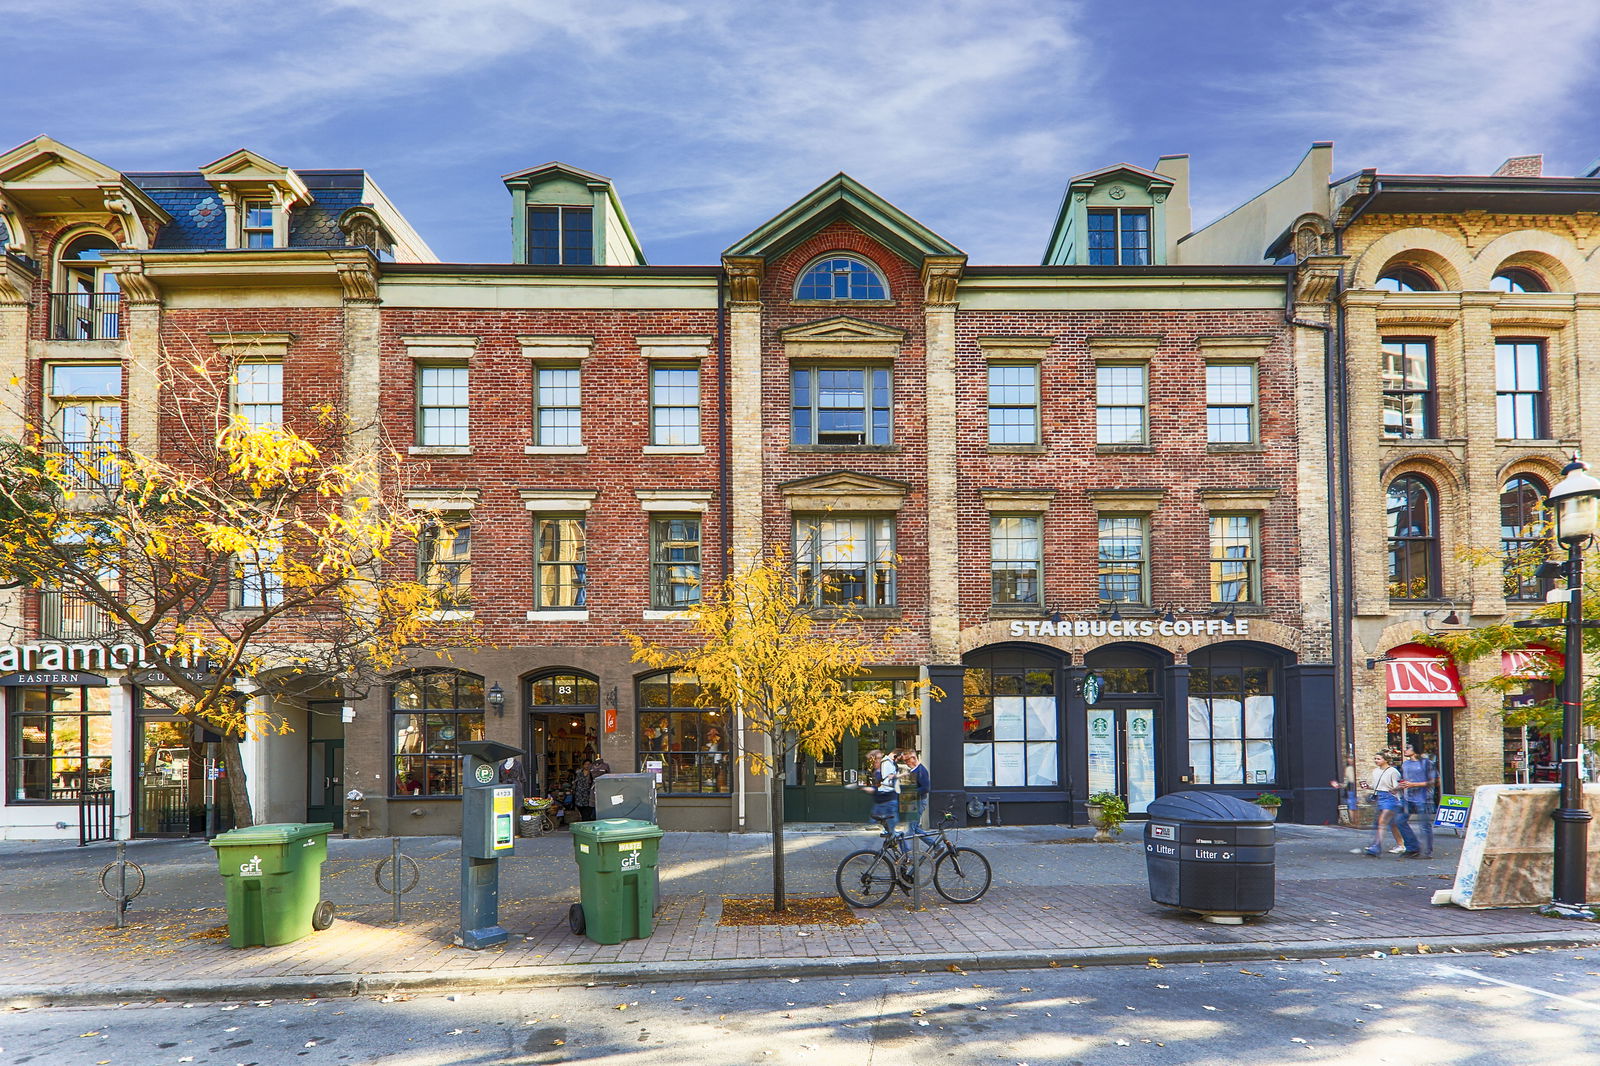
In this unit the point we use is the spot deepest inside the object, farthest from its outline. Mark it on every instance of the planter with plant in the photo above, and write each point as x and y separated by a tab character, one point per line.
1269	804
1107	811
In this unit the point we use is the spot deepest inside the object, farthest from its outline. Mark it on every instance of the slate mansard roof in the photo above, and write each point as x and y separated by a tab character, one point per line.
197	218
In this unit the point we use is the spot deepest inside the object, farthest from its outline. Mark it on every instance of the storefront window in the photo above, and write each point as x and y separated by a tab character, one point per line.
1011	724
431	714
60	743
1232	718
684	744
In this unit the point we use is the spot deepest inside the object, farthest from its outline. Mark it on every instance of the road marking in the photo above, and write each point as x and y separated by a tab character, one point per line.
1461	971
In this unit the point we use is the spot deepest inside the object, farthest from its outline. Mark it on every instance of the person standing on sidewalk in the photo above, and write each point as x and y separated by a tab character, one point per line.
915	785
1418	777
1384	783
583	792
885	788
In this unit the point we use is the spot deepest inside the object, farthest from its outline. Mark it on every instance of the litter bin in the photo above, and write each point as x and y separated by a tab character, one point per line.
273	877
1210	854
616	879
625	796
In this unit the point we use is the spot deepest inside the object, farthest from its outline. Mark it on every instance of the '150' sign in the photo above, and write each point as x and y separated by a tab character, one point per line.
1423	678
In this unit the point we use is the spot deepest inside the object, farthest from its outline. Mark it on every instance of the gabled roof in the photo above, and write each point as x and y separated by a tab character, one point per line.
1140	174
245	166
842	197
554	167
47	176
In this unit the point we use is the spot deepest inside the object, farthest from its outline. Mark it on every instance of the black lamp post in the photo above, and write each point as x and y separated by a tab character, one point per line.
1576	502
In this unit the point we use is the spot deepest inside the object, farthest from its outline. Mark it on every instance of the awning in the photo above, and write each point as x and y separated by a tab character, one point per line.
1531	663
1420	676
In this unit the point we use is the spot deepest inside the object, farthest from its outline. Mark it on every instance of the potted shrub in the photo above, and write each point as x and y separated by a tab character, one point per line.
1107	811
1269	804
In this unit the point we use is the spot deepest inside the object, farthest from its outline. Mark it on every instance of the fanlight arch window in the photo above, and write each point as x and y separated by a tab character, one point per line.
1523	535
1406	279
1518	279
85	306
841	277
1413	517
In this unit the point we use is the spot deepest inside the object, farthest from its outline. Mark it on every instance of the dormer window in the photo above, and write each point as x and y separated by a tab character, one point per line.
257	228
840	277
1119	236
561	236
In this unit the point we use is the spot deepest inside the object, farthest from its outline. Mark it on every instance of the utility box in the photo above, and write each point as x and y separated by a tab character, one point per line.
1211	854
273	877
626	796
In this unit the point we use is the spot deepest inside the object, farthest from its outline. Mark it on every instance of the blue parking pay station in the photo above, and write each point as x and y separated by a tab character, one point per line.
488	815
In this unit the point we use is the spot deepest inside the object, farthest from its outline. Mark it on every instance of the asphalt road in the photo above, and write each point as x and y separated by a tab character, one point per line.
1540	1008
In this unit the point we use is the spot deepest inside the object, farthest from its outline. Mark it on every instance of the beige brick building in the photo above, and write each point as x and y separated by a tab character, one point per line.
1458	316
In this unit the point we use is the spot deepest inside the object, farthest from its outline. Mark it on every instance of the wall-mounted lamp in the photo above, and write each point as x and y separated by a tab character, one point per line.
497	699
1169	617
1372	663
1453	618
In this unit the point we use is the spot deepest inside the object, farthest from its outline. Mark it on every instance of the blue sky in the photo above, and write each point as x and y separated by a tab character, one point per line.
712	116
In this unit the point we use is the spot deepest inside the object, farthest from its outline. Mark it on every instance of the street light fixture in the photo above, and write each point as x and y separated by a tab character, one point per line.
497	699
1576	503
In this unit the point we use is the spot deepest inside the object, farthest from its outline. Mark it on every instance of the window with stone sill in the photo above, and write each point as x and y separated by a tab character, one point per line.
258	393
256	228
1413	539
841	406
557	414
1014	403
845	561
1524	536
675	404
1120	404
444	562
560	552
1016	560
1407	382
1230	403
1235	559
1520	390
257	580
1124	560
442	406
675	562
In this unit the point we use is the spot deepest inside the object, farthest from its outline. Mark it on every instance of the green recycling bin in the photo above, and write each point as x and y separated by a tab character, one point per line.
616	879
273	877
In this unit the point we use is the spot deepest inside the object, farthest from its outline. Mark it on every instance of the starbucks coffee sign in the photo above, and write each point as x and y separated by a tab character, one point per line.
1132	627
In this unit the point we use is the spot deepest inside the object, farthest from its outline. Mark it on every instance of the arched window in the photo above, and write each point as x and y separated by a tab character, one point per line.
1522	535
86	306
686	742
840	277
431	712
1413	539
1518	279
1405	279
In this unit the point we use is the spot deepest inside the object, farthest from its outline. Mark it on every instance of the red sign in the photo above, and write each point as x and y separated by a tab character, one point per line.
611	719
1531	663
1420	676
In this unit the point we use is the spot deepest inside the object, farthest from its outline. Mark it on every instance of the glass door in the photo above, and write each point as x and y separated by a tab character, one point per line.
323	778
169	776
1421	730
1122	754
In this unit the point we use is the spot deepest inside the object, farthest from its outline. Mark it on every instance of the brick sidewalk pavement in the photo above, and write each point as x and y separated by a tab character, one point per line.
1079	913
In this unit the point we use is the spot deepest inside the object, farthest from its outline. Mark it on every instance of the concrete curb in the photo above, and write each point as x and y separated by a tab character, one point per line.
223	990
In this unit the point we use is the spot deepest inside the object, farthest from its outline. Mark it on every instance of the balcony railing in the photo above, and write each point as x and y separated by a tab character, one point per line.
67	616
89	464
85	316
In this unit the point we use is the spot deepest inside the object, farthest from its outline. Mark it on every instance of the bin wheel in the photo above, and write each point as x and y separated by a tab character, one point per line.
575	919
322	917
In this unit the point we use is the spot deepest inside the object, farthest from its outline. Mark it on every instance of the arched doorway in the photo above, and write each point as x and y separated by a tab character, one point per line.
562	727
1125	724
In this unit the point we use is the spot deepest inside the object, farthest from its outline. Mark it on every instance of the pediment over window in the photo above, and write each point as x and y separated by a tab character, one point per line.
842	337
45	177
842	197
245	172
845	490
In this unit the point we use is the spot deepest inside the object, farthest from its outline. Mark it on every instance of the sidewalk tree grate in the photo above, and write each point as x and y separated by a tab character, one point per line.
801	910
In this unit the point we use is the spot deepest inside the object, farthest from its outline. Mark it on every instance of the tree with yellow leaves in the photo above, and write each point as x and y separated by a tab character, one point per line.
243	557
785	674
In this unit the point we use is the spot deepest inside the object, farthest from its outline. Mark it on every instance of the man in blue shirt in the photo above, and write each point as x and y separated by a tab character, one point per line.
913	793
1418	778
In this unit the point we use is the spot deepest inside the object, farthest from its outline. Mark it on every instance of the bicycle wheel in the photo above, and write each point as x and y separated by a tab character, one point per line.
864	878
921	875
962	875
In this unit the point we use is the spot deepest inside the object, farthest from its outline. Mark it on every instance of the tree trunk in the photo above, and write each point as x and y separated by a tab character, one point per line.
779	896
233	767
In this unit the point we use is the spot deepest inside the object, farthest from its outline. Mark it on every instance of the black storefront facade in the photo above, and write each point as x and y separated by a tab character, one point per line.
1198	704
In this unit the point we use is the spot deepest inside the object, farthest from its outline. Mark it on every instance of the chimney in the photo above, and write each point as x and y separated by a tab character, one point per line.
1521	166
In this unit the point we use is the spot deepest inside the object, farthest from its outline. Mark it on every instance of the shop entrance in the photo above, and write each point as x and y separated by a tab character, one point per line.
822	790
325	762
1122	754
563	719
176	779
1425	730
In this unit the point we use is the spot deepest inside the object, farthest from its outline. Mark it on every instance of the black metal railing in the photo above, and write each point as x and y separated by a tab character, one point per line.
68	616
89	464
85	316
95	816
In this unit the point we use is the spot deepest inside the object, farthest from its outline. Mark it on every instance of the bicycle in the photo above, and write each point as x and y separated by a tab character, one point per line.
865	878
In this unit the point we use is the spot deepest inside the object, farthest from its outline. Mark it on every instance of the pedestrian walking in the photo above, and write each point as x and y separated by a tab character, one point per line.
1419	778
1384	784
583	792
885	788
915	784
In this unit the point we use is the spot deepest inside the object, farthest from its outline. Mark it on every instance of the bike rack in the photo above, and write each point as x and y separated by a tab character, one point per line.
121	897
397	862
